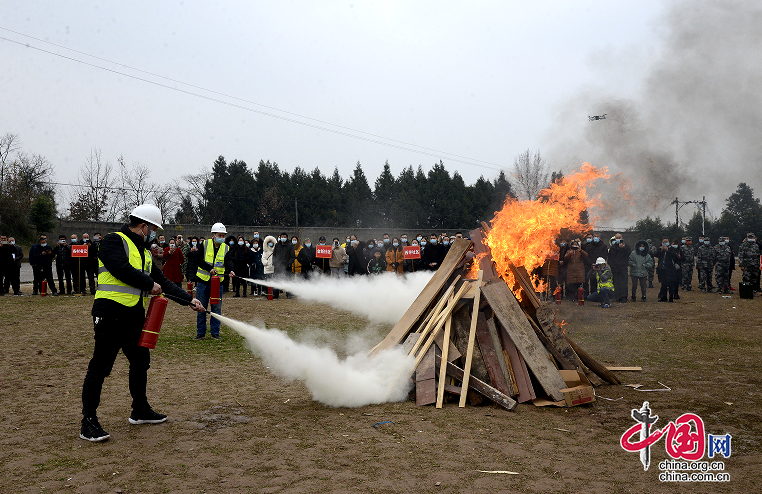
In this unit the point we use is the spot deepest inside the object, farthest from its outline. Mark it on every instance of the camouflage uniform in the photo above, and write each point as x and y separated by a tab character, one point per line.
705	263
652	269
723	255
748	258
687	265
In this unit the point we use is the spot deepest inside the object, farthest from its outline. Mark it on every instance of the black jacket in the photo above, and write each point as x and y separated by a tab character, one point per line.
619	257
306	257
669	265
63	255
433	253
37	258
114	258
283	257
357	263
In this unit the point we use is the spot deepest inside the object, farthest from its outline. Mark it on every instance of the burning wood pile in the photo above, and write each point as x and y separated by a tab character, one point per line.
486	334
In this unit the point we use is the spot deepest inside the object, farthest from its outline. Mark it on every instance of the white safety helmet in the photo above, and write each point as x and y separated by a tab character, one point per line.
219	228
149	213
601	261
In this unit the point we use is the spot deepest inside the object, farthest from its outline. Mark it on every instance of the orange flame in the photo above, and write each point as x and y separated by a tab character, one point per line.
525	232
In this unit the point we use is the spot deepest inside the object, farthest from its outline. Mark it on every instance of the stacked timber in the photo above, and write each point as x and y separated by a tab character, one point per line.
472	338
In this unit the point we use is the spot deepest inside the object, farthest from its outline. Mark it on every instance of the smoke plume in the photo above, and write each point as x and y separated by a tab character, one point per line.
355	381
693	127
383	298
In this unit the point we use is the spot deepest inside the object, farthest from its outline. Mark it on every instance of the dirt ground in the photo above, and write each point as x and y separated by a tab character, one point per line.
235	428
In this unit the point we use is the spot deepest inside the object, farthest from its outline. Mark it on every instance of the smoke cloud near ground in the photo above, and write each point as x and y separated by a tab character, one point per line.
383	298
355	381
693	126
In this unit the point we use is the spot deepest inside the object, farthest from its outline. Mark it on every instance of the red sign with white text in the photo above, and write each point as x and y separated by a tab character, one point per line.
79	250
323	251
412	252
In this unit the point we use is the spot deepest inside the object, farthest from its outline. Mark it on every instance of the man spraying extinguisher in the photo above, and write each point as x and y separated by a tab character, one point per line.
213	264
126	276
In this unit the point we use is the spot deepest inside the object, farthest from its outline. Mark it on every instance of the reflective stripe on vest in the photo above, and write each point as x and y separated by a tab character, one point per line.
605	284
216	260
112	288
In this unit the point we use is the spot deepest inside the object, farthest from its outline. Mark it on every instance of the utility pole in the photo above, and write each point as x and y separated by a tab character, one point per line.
679	204
296	211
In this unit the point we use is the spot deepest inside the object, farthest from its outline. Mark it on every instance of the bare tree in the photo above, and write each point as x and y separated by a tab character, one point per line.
532	174
197	187
9	145
167	198
93	197
136	189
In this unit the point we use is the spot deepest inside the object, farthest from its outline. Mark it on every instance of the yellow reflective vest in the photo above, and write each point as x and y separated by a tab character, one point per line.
112	288
217	261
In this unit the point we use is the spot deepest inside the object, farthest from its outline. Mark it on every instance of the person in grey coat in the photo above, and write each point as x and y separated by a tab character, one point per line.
641	263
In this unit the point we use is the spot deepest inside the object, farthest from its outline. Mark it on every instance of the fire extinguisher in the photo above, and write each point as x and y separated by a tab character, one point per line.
581	296
214	296
151	327
269	293
44	288
190	288
558	295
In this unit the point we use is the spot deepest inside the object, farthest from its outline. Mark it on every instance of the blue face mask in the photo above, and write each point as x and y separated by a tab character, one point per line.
256	235
596	239
308	244
642	249
386	240
219	240
423	243
433	241
44	245
396	244
231	242
445	242
293	242
151	235
563	244
240	243
588	240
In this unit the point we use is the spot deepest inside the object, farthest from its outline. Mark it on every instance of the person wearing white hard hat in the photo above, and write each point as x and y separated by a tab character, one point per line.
213	259
601	272
126	276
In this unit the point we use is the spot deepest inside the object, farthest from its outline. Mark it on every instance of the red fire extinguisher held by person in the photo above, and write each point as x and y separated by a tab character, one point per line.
152	325
44	288
190	288
581	296
214	287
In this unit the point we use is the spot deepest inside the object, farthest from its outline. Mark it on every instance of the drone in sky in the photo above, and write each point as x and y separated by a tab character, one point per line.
597	117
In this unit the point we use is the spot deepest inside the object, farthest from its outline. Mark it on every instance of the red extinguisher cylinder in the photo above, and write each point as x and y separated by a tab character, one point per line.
214	290
581	296
190	288
269	293
558	297
44	288
151	327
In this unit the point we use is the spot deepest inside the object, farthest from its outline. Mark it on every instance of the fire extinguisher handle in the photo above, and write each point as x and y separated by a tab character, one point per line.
172	297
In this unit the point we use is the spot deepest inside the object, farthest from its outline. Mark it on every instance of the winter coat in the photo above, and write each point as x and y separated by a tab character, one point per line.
575	265
376	266
433	253
283	257
63	255
242	257
173	265
37	258
256	269
338	257
595	250
356	260
669	265
191	266
640	262
6	256
268	262
395	257
619	258
306	257
296	266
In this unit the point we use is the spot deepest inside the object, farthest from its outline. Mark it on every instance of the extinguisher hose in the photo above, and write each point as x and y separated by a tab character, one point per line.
178	300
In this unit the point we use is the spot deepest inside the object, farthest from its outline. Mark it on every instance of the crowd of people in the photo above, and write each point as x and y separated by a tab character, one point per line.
598	271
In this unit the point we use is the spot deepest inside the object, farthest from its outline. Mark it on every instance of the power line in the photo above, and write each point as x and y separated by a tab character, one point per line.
423	150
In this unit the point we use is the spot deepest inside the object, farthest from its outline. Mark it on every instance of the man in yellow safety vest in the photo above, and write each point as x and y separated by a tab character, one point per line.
213	259
126	276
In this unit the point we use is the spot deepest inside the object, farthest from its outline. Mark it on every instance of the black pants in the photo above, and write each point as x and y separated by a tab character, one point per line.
111	335
64	272
43	273
86	270
668	288
635	281
237	284
620	285
9	277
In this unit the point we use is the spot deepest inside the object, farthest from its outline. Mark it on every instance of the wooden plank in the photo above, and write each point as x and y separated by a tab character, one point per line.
480	247
490	356
527	288
471	341
479	386
434	318
452	352
409	342
443	370
425	380
593	364
456	390
525	390
500	354
560	359
555	334
430	291
507	310
613	368
461	323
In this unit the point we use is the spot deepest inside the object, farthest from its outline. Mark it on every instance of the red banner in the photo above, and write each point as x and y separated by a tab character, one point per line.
412	252
79	250
323	251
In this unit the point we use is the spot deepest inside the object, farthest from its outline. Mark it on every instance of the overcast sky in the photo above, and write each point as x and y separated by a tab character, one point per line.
475	82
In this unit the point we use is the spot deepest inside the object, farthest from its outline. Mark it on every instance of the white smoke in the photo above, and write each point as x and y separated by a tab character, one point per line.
355	381
384	298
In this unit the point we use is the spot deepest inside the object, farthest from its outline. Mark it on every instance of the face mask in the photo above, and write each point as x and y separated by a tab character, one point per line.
380	244
283	239
85	240
194	243
74	240
256	235
563	244
419	238
348	240
321	243
722	243
404	239
433	241
62	241
415	244
370	246
446	242
423	243
240	242
750	240
247	244
232	242
171	245
13	242
596	239
616	241
706	242
665	244
293	242
45	244
642	249
396	244
386	240
219	240
270	244
682	241
97	238
154	246
308	244
256	246
588	240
